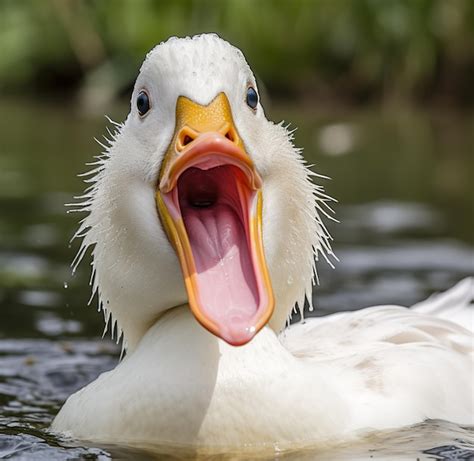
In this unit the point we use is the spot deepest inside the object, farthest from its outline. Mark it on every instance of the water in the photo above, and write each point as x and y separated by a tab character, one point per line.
404	183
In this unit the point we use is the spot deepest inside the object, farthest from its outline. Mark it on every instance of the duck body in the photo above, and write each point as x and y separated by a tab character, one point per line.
202	213
320	382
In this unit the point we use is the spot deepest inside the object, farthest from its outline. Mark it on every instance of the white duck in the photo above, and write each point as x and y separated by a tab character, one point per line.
239	220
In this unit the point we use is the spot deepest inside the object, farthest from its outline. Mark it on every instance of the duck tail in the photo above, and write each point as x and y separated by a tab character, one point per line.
455	305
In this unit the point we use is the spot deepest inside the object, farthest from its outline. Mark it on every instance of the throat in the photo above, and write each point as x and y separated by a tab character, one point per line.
216	218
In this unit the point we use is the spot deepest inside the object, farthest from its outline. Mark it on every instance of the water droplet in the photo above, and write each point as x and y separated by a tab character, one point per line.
65	285
289	280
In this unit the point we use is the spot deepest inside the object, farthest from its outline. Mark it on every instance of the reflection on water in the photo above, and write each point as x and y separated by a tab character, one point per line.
403	181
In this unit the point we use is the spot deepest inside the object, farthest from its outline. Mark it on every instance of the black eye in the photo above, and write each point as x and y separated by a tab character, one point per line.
143	103
252	98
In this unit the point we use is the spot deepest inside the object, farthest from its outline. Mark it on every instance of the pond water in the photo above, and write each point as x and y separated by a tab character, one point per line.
404	181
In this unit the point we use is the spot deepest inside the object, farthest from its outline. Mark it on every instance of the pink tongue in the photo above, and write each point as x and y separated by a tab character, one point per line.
226	281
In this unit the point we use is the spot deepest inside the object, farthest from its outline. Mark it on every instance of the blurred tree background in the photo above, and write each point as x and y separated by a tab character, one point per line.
381	92
349	51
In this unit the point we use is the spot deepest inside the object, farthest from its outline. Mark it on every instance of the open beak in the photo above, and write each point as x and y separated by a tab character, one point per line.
210	202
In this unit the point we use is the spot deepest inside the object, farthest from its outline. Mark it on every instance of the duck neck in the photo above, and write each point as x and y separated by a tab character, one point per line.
178	333
218	387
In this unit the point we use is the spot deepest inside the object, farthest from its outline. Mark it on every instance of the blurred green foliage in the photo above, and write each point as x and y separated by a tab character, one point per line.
349	49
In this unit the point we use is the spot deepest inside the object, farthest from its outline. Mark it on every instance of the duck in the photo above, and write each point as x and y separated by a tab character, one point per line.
205	225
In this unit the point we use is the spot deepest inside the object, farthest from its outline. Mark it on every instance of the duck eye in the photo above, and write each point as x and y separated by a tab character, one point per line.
143	103
252	98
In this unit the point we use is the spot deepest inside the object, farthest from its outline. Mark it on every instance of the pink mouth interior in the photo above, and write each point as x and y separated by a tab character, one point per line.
216	217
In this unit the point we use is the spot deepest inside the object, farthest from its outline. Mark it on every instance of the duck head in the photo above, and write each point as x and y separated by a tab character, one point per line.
200	200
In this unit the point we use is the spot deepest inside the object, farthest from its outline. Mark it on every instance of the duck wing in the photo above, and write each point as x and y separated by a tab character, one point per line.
445	320
455	304
398	365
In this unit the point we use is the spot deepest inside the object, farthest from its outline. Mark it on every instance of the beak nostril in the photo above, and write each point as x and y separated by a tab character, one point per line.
230	135
187	140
